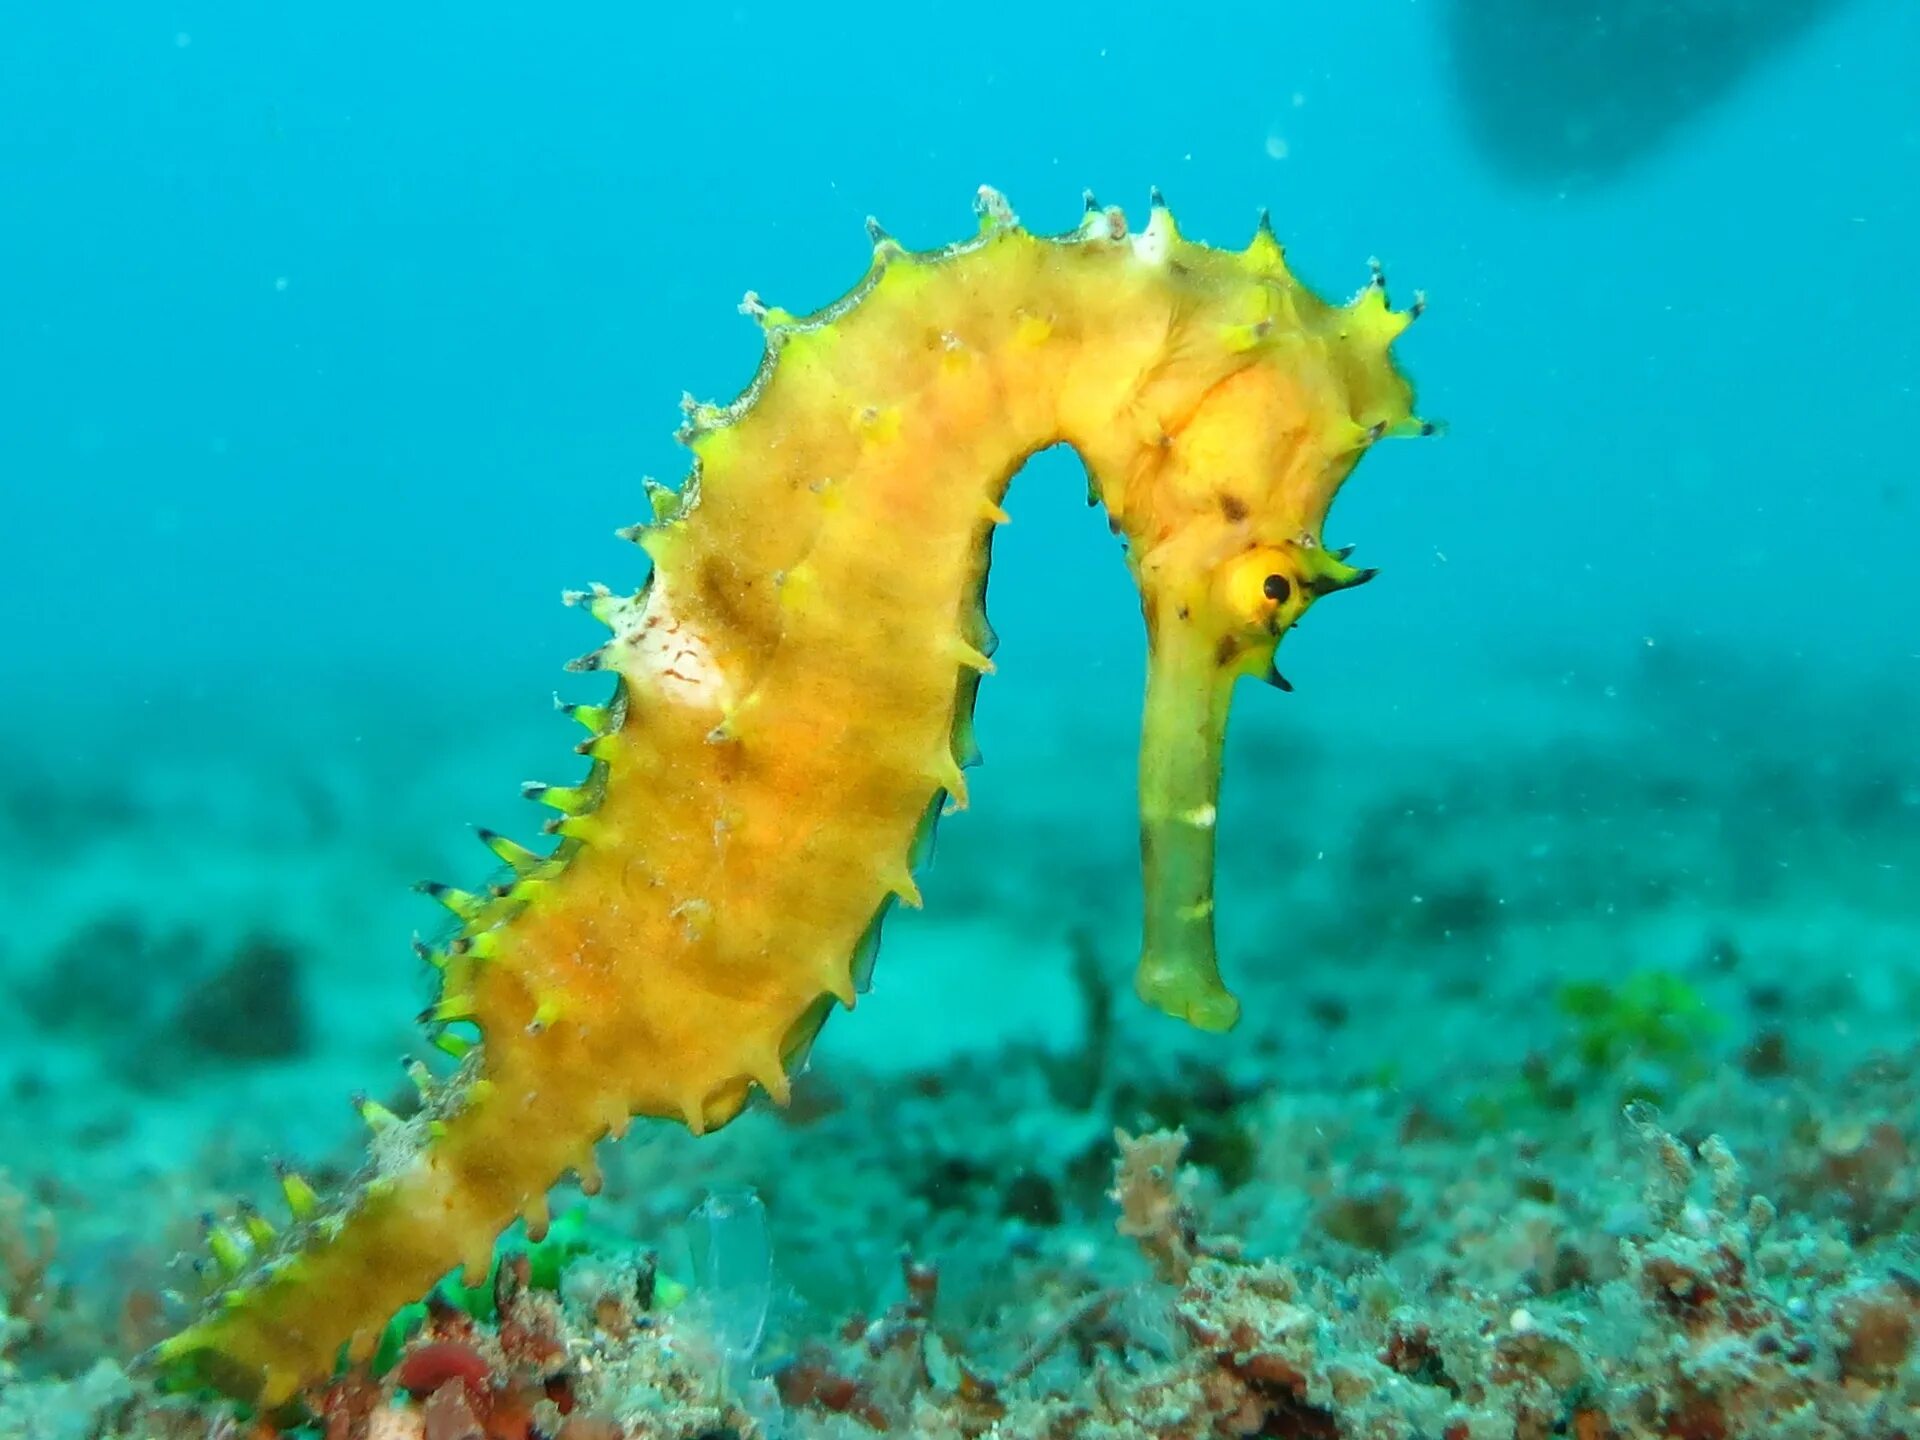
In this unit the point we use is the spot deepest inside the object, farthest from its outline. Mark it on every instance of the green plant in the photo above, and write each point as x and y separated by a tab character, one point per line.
1650	1015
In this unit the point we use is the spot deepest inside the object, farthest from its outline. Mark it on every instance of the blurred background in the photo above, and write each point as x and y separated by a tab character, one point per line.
335	341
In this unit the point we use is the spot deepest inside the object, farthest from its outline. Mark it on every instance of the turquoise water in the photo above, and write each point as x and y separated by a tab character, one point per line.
332	332
334	344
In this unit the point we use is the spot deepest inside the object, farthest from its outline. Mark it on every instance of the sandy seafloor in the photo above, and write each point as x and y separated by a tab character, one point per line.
1415	1206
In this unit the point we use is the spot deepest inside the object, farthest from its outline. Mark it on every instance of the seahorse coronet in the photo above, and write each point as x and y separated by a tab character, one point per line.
792	712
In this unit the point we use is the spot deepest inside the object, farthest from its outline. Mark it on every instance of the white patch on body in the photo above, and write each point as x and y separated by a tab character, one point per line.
666	654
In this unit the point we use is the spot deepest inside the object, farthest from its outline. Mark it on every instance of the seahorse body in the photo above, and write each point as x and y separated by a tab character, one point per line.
792	710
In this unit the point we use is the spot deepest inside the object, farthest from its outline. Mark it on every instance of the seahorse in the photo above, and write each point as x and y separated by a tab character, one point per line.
792	710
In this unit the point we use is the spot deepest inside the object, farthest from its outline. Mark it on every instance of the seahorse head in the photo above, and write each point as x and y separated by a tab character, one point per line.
1224	520
1248	599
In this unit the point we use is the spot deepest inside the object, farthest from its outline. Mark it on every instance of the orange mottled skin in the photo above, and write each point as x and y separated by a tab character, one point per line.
793	704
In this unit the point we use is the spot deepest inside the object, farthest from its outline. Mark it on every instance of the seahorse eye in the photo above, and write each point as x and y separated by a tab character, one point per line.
1277	589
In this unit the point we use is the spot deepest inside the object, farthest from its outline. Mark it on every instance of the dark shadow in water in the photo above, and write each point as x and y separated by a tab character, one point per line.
1569	94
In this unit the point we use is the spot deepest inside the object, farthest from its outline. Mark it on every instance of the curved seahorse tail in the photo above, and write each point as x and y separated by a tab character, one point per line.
439	1186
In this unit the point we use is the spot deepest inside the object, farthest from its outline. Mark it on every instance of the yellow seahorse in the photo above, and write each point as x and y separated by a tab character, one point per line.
792	710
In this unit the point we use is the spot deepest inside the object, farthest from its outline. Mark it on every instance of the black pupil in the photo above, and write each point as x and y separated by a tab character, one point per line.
1277	588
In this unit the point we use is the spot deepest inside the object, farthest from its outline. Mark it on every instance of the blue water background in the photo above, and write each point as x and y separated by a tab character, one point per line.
337	338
